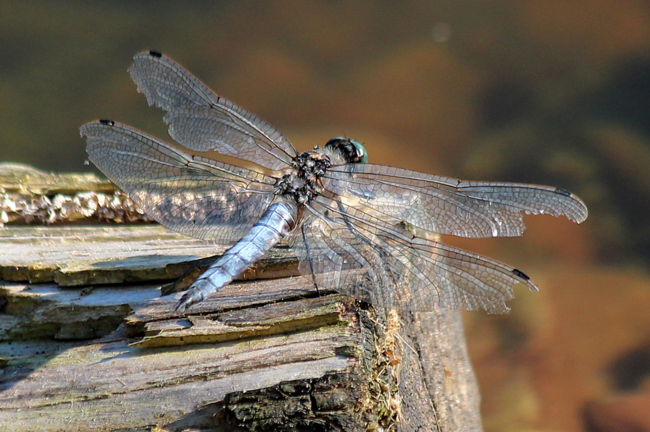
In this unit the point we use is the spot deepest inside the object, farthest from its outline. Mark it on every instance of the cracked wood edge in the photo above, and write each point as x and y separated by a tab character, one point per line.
431	369
91	255
27	180
98	383
239	322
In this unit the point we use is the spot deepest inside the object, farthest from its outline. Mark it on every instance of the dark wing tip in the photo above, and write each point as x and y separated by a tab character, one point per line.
525	279
563	192
85	129
520	274
156	54
582	211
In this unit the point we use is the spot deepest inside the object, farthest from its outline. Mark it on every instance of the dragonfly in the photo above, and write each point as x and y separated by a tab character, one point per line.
368	230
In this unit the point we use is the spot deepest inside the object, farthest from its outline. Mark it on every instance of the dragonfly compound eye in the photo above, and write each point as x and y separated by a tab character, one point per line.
351	150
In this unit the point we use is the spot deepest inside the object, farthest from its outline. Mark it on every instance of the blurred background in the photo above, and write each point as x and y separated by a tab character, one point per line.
539	91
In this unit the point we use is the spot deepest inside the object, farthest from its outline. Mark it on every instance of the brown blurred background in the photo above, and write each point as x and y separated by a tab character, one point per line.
554	92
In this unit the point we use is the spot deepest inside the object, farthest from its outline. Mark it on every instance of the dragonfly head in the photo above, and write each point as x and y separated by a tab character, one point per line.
351	150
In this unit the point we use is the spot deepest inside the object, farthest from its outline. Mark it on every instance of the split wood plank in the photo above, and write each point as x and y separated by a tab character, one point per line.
87	343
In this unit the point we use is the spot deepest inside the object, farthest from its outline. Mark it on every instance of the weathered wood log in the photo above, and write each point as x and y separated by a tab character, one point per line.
87	343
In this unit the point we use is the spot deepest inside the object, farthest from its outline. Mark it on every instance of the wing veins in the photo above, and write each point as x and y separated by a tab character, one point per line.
182	90
268	138
494	265
443	197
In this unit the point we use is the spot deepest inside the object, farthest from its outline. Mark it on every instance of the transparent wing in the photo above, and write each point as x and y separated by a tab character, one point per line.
194	196
449	206
200	120
378	260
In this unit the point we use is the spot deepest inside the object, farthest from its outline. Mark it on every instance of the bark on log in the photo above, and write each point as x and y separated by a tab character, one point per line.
86	343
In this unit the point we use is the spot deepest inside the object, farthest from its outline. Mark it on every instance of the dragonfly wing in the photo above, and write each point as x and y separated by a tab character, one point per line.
200	120
338	260
377	260
449	206
192	195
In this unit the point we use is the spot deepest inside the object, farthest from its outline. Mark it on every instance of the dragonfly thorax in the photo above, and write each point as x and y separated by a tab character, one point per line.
301	182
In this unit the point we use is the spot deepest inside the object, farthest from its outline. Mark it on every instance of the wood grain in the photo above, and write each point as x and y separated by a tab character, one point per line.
88	343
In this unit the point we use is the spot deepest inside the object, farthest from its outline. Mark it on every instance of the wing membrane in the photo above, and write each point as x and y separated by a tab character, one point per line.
200	120
194	196
449	206
377	259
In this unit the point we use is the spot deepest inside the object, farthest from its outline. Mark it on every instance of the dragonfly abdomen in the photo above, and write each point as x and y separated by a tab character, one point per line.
274	224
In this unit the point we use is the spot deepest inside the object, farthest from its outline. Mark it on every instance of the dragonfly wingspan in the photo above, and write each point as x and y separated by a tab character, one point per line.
200	120
192	195
444	205
369	230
